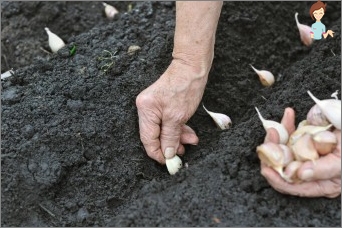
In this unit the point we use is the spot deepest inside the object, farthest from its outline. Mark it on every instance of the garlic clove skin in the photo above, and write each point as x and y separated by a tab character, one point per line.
222	121
173	165
266	77
331	108
304	32
110	11
290	173
283	134
55	42
307	129
302	123
325	142
304	149
316	117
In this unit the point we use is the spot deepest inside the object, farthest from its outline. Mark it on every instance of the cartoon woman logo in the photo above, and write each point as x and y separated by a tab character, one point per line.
317	11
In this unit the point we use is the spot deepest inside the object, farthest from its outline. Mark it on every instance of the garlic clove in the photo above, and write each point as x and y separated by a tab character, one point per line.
334	94
110	11
266	77
316	117
287	153
290	173
132	49
55	42
272	155
324	142
307	129
283	134
331	108
304	32
222	121
173	165
304	149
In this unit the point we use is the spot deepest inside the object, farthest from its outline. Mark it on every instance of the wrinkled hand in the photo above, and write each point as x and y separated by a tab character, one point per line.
165	107
322	179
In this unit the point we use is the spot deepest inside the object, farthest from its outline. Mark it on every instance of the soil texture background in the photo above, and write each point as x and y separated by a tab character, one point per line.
71	153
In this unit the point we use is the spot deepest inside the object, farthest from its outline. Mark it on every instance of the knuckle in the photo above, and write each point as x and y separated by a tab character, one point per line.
143	99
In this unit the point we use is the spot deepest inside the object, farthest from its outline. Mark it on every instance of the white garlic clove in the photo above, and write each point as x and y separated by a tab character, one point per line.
222	121
331	108
304	149
283	134
287	153
334	94
55	42
307	129
266	77
324	142
304	32
316	117
290	173
110	11
173	165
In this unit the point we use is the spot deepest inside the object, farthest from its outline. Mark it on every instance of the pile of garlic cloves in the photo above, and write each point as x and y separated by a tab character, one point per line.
312	139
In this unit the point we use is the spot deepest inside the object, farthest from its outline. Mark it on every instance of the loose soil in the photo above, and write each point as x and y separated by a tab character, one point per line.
71	153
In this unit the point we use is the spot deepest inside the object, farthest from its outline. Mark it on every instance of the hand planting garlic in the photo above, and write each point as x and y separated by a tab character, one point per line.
283	134
304	32
266	77
55	42
174	164
221	120
110	11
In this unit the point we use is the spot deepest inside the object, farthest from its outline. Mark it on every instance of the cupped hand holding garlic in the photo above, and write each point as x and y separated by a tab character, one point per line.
301	176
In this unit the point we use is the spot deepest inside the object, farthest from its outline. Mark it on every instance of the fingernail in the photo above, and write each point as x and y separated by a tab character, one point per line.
169	152
307	174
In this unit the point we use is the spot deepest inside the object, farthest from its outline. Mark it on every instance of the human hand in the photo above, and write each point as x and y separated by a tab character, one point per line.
321	179
331	33
165	107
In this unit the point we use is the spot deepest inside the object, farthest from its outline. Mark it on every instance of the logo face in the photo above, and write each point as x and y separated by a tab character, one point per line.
318	30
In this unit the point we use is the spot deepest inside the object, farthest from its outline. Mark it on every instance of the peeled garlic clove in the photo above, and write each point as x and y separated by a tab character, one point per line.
266	77
174	164
55	42
325	142
221	120
331	108
304	32
316	117
307	129
283	134
290	173
110	11
304	149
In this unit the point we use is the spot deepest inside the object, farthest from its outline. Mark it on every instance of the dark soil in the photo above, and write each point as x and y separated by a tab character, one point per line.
71	154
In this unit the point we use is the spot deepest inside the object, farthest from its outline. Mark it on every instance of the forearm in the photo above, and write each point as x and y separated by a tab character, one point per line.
194	39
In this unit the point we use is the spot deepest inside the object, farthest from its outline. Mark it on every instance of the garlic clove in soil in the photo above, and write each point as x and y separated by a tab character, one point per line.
334	94
304	32
304	149
307	129
324	142
283	134
316	117
266	77
110	11
55	42
174	164
331	108
222	121
132	49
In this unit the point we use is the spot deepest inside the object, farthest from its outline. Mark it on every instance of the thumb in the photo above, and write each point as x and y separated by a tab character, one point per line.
326	167
170	138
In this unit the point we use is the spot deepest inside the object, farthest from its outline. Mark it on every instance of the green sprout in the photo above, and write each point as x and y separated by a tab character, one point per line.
73	50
